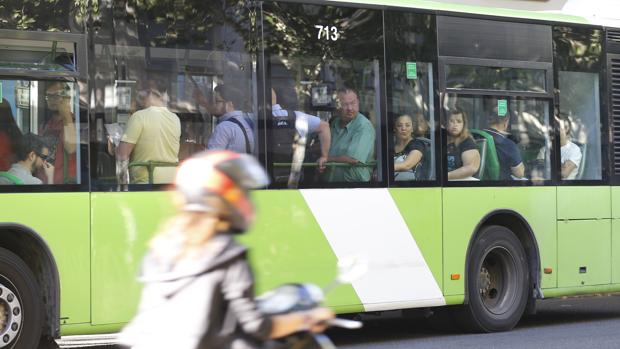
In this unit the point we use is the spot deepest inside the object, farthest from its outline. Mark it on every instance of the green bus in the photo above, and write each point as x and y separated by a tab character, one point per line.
529	213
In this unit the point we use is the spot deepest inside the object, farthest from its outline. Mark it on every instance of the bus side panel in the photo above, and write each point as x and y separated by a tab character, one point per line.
421	210
464	208
584	236
288	245
122	223
62	220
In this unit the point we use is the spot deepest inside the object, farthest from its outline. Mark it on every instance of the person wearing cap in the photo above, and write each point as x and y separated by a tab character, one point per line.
198	284
508	154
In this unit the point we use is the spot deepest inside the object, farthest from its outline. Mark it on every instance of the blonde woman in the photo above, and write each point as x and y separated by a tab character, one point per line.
463	155
408	150
198	285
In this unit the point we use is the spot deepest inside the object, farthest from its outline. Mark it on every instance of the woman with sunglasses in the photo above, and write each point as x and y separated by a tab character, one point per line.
60	130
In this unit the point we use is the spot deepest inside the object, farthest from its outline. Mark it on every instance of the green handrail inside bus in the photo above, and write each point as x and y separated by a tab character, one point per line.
152	165
328	164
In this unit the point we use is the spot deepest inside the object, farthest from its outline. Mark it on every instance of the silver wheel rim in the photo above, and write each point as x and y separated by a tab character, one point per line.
10	316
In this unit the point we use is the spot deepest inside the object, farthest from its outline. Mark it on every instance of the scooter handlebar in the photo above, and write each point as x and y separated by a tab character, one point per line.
344	323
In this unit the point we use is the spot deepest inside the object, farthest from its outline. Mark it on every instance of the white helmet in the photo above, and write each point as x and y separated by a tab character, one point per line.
224	174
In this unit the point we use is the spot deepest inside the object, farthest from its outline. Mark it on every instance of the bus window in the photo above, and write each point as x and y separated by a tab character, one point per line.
411	47
510	134
326	90
578	65
41	134
168	88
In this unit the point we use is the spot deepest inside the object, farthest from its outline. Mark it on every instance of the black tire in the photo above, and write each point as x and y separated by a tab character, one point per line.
497	282
20	302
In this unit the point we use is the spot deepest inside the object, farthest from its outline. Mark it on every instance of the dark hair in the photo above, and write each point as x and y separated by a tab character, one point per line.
8	125
231	93
30	142
286	96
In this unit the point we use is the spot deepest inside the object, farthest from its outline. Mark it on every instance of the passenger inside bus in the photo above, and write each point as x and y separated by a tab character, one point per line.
462	153
508	154
33	156
152	135
10	136
235	126
352	143
570	153
285	129
60	131
409	150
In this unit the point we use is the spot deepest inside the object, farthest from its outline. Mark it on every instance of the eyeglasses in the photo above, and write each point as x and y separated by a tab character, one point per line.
47	158
56	95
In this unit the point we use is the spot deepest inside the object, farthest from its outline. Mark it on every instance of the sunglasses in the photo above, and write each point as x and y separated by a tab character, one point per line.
56	95
47	158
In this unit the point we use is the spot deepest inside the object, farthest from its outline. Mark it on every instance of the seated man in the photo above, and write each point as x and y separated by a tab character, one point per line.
285	129
508	154
152	134
32	155
353	141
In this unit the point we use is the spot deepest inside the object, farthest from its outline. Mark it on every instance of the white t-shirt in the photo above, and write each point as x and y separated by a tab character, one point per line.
570	151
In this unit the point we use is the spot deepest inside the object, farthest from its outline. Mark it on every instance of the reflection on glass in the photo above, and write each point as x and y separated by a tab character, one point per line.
38	134
188	78
37	55
512	135
325	92
411	99
495	78
580	125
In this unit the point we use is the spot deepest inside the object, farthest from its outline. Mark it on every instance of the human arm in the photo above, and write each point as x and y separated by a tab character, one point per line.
471	164
567	168
237	288
413	158
325	138
69	133
48	170
518	171
123	152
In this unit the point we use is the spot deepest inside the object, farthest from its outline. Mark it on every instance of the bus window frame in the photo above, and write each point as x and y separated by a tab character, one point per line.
605	122
381	132
552	181
80	75
78	40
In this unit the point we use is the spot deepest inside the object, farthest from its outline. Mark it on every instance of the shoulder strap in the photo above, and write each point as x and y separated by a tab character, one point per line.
245	134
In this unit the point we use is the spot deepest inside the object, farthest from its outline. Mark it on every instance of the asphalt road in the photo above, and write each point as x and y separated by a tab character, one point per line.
584	322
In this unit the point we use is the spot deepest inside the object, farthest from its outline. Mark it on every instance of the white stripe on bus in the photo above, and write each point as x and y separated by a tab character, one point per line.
367	224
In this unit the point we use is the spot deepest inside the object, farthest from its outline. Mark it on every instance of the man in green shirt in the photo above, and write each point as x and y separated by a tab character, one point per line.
353	142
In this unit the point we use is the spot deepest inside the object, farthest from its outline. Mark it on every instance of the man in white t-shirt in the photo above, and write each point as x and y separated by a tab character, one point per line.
570	154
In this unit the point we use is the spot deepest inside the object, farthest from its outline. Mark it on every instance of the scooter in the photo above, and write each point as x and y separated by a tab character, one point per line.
290	298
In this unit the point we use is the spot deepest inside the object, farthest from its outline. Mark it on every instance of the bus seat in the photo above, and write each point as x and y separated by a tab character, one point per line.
428	171
491	162
582	164
481	143
8	178
163	175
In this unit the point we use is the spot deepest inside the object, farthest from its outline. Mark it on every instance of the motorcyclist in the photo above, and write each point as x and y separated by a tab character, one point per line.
198	285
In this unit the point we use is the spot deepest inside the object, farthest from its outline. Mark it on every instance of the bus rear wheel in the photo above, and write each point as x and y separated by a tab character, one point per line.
21	309
497	282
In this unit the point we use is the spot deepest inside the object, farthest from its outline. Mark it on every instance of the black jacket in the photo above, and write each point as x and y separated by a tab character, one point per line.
202	302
